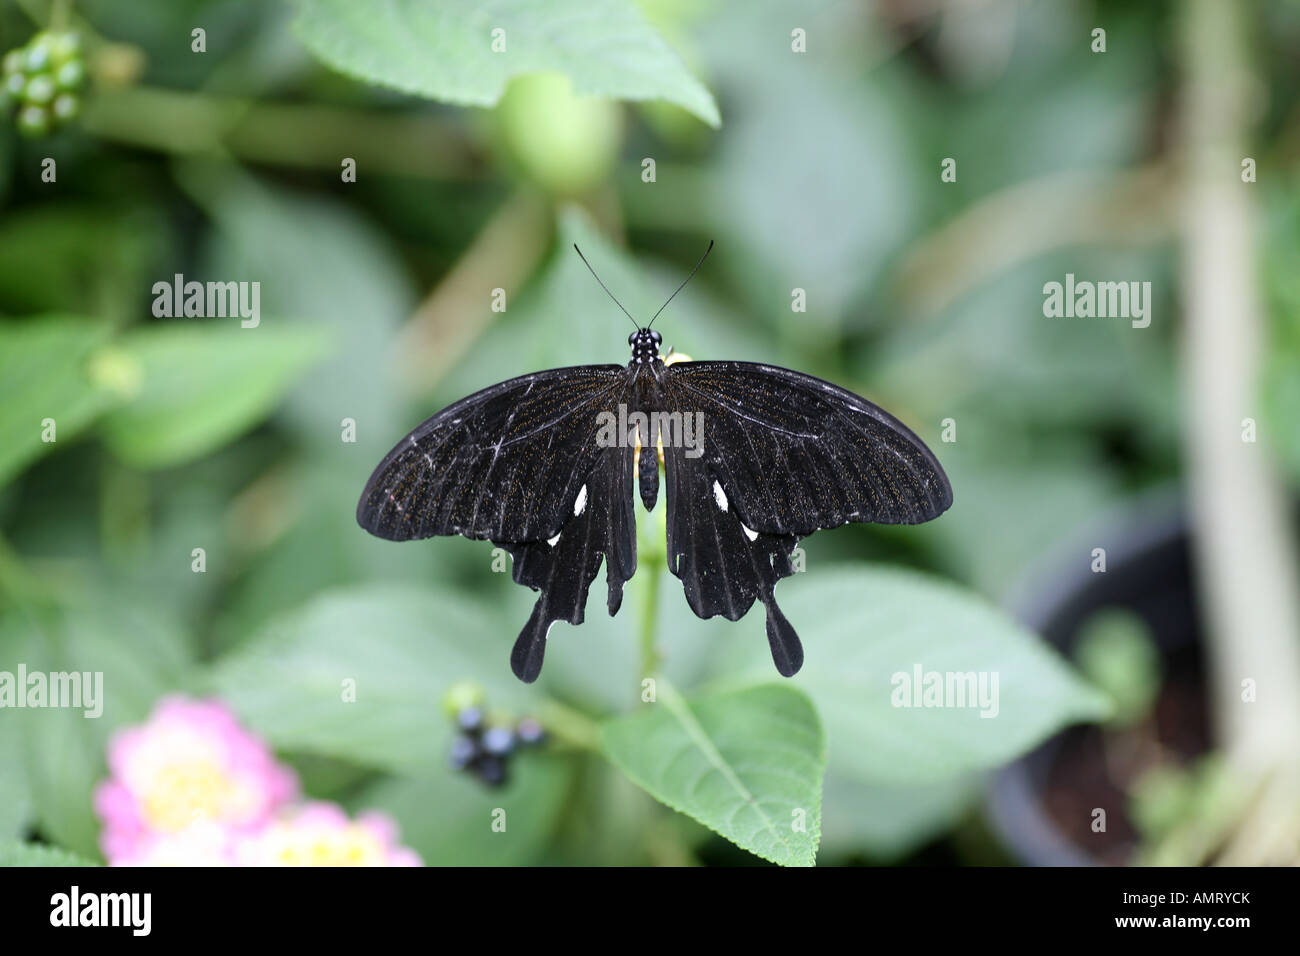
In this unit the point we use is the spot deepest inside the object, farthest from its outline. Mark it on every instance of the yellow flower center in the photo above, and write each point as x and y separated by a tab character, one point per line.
349	846
184	793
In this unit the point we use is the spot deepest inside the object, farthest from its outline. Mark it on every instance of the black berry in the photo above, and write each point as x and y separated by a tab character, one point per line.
463	752
499	740
470	719
530	732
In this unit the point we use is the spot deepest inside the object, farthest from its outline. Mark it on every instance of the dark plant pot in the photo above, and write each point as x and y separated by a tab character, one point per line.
1148	573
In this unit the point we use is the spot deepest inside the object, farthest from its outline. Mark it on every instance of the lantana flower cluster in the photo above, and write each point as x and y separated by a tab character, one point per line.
192	787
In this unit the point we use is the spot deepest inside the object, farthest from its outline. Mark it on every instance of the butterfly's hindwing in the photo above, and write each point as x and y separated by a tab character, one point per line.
562	569
798	454
723	565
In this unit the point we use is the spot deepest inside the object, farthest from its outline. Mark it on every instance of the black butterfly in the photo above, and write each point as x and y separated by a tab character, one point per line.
542	465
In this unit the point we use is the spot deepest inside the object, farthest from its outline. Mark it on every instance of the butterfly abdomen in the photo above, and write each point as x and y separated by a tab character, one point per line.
648	476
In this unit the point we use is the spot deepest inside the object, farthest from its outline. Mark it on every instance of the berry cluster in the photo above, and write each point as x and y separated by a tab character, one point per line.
484	743
41	82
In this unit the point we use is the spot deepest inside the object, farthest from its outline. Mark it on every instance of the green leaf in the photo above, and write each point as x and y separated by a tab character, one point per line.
15	798
784	102
563	317
401	648
142	656
746	763
37	854
196	388
885	824
444	50
461	832
43	374
1028	504
323	264
77	259
865	631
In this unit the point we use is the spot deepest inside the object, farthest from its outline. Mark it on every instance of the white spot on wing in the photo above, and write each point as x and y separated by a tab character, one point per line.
551	541
581	503
719	496
751	535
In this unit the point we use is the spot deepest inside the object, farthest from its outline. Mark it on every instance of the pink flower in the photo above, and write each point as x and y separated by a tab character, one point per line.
190	763
320	834
200	844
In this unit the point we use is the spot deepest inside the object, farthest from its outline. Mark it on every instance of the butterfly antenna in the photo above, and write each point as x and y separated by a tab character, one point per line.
684	281
635	324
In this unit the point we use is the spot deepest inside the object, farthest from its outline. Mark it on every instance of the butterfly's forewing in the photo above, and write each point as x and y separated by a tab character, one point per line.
504	464
518	464
795	454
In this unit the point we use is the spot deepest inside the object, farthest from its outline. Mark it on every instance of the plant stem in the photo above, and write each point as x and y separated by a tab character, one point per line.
60	14
503	254
1246	559
650	658
279	134
568	725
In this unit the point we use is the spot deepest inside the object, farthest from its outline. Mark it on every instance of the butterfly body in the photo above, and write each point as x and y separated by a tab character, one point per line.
544	466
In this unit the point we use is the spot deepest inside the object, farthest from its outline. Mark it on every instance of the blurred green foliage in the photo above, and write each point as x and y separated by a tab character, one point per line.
824	175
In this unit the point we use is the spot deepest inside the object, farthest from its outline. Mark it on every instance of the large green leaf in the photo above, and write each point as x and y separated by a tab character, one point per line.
197	387
863	626
36	854
444	50
746	763
44	375
1011	509
402	647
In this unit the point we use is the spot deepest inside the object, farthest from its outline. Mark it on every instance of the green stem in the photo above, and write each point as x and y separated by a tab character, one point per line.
60	15
569	726
650	658
298	135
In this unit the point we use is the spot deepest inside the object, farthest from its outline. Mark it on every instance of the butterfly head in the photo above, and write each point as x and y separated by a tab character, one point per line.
645	346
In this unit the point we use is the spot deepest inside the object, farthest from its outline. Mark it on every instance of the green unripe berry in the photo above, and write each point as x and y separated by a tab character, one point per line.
38	55
34	121
66	107
64	46
70	75
40	90
565	142
462	696
15	85
13	62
